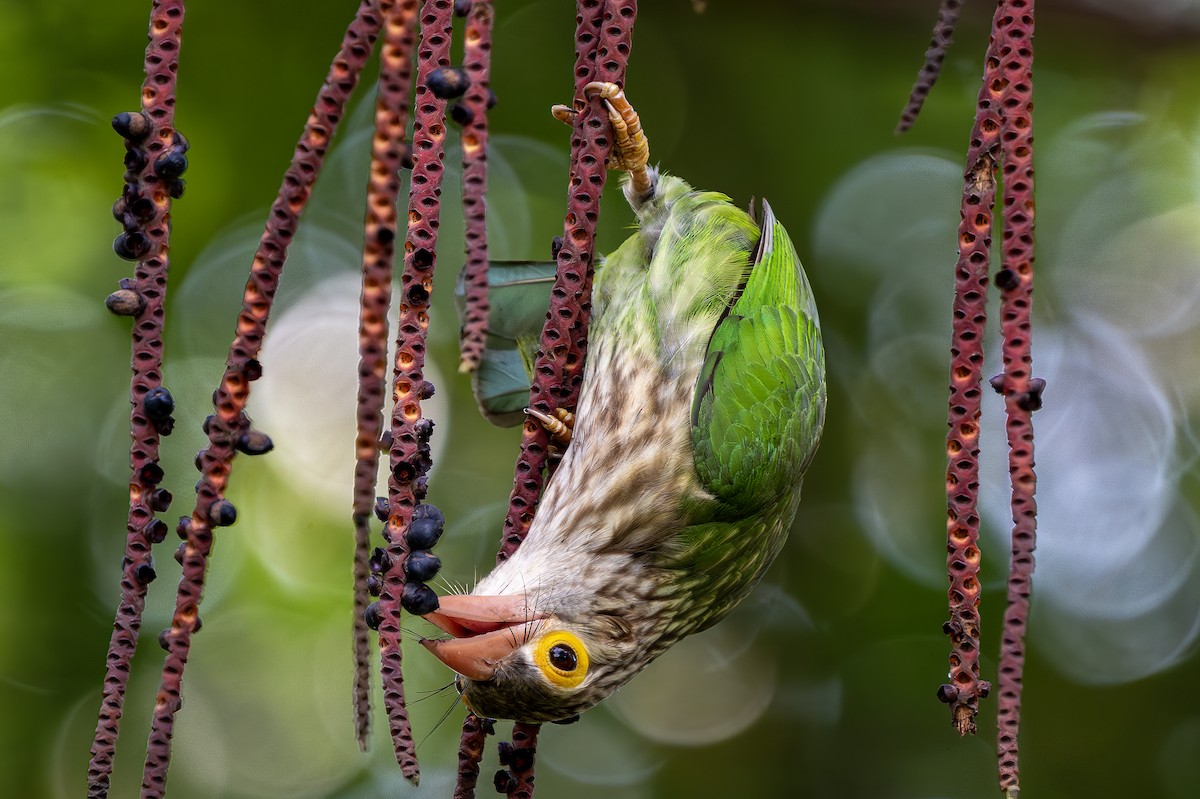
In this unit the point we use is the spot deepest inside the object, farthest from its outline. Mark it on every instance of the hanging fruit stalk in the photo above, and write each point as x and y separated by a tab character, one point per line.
389	153
228	430
558	370
943	35
1022	391
964	690
470	752
154	163
409	460
477	54
1002	137
603	42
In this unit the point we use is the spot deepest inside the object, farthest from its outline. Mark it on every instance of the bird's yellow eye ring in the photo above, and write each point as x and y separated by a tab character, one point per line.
562	658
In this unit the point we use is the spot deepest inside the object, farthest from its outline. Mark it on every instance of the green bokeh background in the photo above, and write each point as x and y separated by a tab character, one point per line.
777	98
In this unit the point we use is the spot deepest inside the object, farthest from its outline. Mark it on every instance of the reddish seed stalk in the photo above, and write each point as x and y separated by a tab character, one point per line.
965	688
605	28
408	465
558	370
383	188
524	748
1004	126
242	367
1022	392
150	284
470	753
477	54
943	35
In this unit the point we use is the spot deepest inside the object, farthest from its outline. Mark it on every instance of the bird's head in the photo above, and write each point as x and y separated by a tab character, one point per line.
531	661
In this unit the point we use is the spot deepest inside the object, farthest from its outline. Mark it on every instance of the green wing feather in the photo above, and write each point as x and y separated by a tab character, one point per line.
518	296
759	404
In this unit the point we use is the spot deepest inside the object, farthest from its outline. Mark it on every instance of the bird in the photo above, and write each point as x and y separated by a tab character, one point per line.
701	408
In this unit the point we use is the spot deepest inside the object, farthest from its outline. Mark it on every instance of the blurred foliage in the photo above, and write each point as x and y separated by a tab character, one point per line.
824	685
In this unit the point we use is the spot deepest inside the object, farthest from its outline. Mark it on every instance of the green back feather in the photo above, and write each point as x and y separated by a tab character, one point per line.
759	404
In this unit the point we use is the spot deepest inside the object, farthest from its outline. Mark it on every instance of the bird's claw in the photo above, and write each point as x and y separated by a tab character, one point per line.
559	425
631	150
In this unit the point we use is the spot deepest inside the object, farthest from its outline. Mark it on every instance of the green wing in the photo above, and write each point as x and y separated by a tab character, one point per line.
518	296
759	404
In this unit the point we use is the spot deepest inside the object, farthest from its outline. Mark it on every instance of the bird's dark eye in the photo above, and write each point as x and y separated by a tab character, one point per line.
563	657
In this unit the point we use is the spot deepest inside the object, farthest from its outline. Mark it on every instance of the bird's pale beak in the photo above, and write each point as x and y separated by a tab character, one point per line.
486	630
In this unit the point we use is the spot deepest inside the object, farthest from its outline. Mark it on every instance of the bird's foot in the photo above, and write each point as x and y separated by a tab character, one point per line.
559	425
631	150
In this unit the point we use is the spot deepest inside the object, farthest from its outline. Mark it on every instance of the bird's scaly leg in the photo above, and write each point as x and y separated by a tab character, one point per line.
559	425
631	149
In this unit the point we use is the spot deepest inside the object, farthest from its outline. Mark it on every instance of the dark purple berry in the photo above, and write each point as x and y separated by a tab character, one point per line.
447	83
222	513
419	599
131	245
422	566
132	125
423	533
171	164
460	114
158	403
253	442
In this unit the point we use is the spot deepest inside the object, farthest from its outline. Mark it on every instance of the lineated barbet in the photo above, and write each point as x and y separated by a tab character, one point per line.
702	404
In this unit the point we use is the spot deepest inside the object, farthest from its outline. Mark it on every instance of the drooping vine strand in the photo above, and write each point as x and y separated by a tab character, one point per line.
477	53
570	301
1022	392
558	369
154	163
470	753
228	430
520	757
388	154
1002	137
965	689
409	461
943	35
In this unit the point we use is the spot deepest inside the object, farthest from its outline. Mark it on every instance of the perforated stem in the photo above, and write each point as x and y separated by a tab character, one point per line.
965	689
406	485
242	367
558	370
943	35
1022	393
470	753
388	150
150	285
603	42
477	55
524	746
